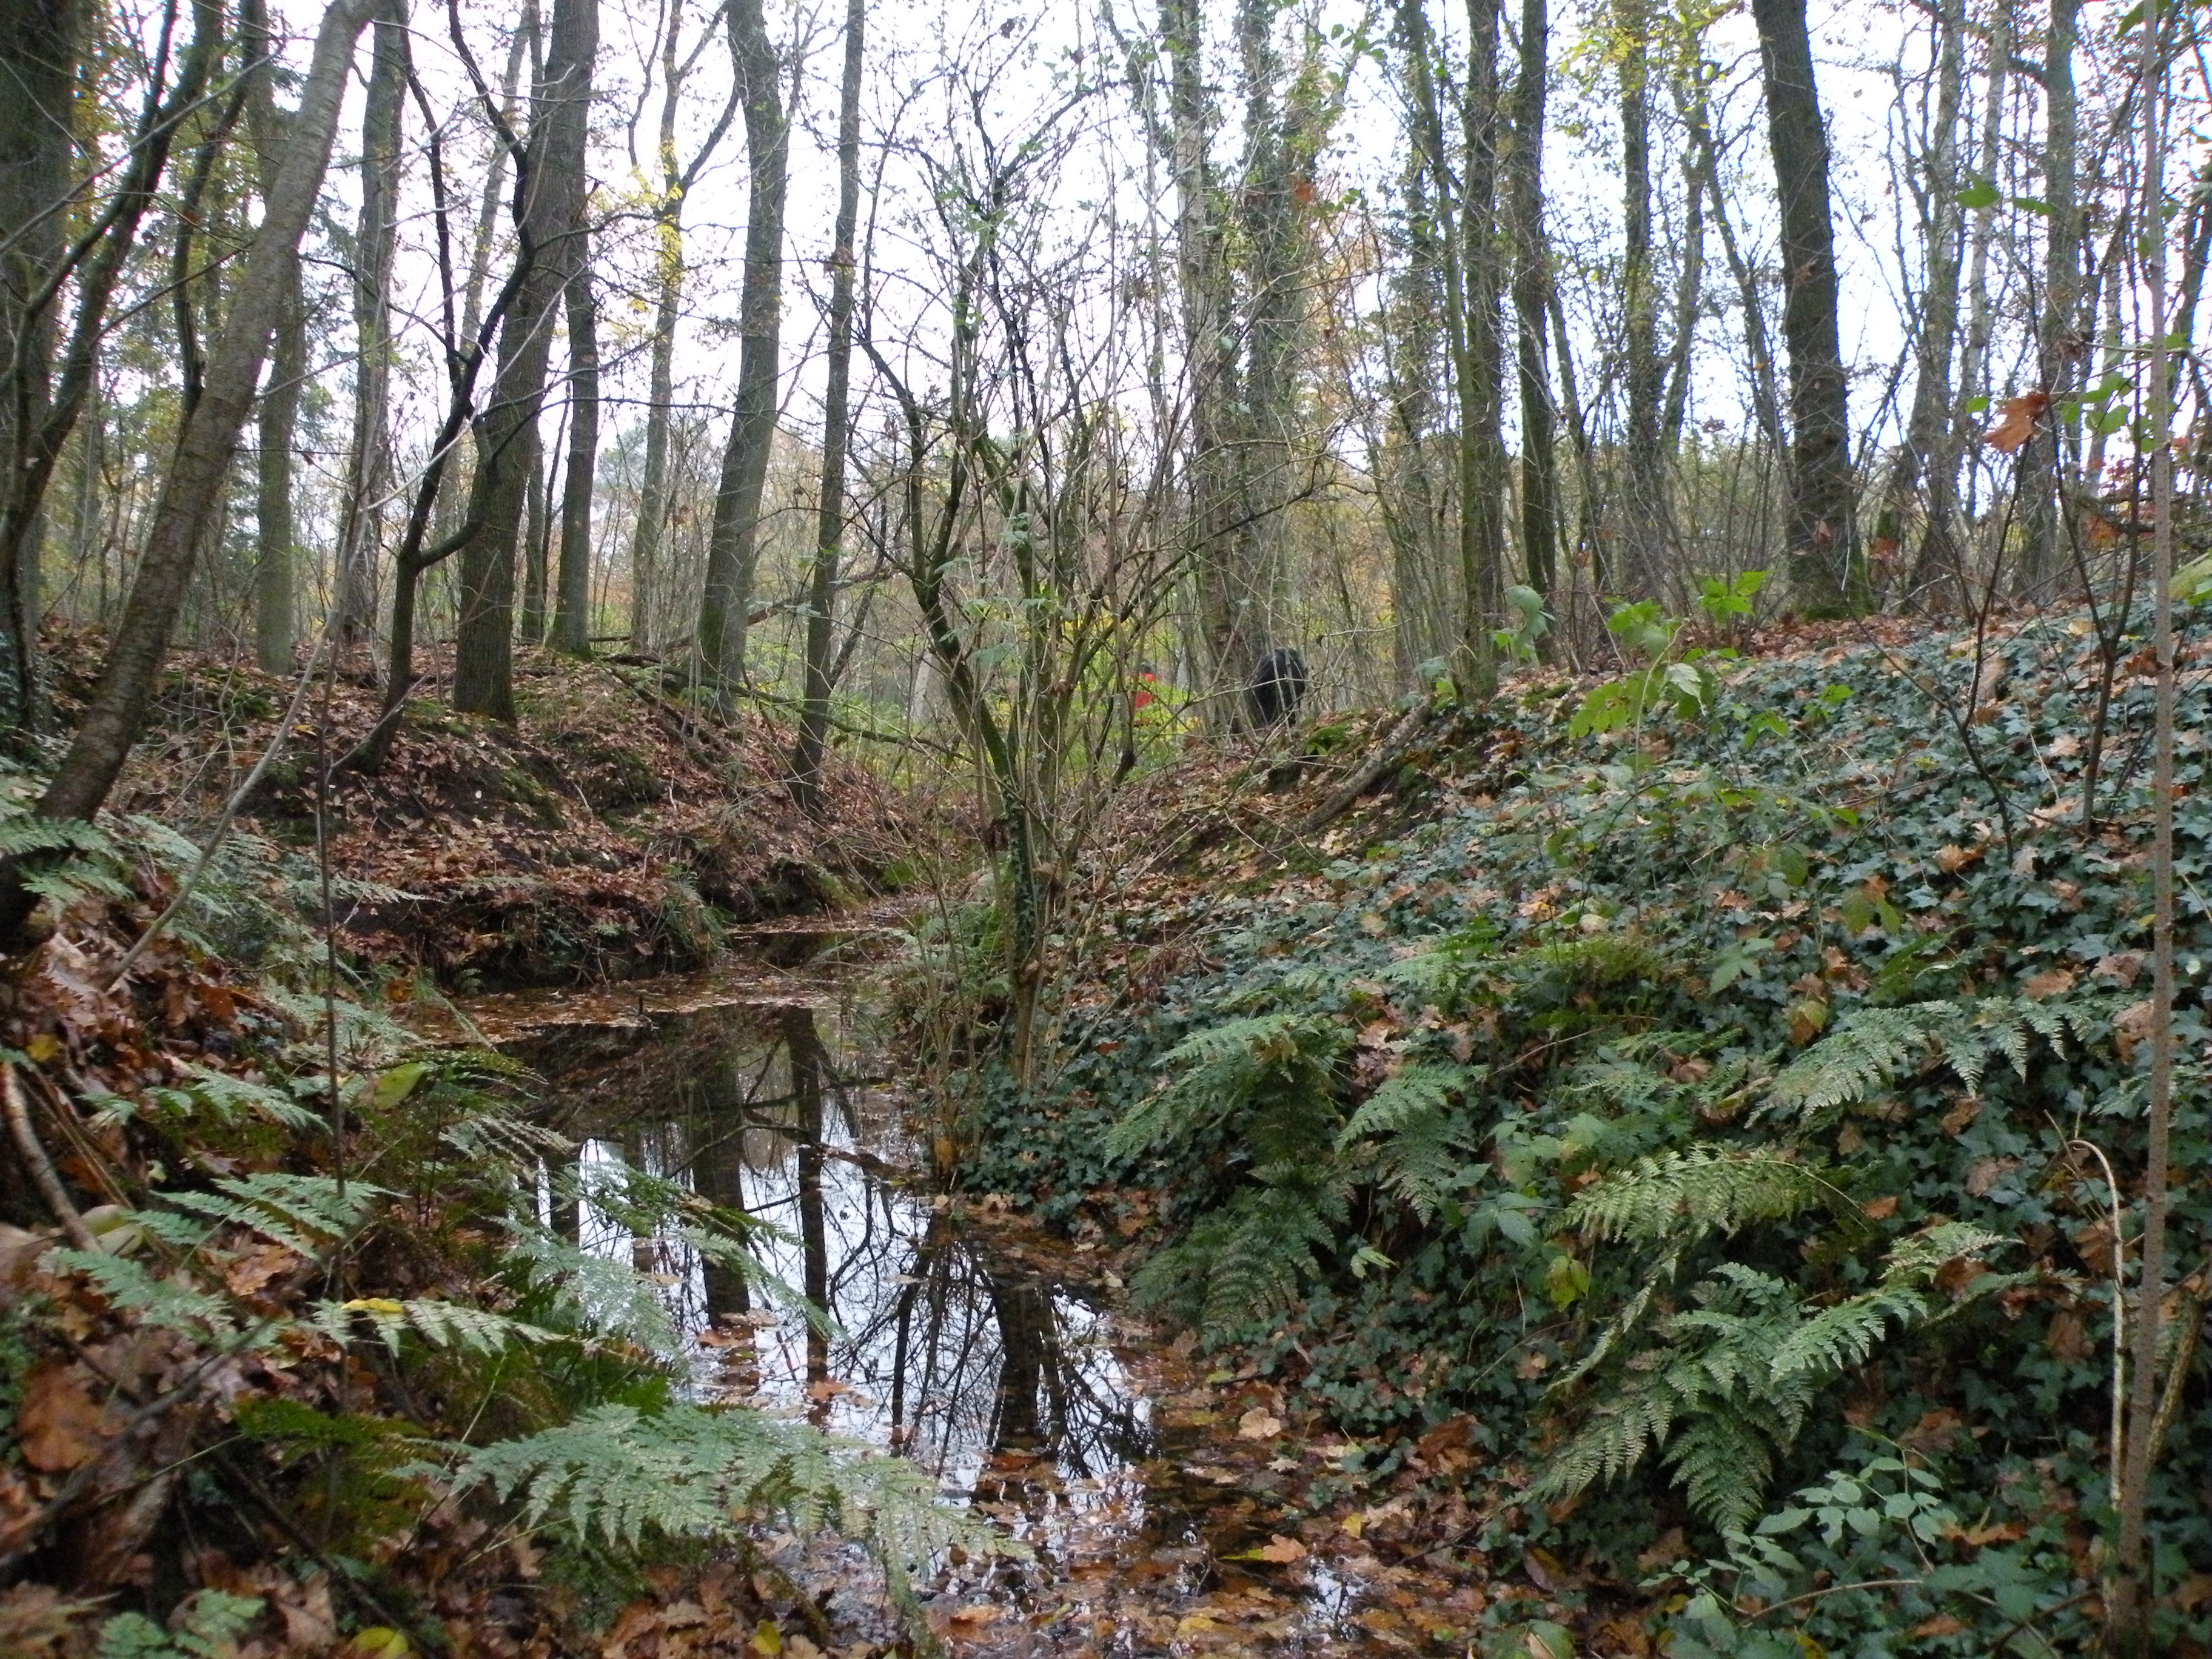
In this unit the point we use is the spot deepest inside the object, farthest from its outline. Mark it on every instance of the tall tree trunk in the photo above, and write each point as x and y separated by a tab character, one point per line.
1927	444
1532	282
1209	356
191	490
734	546
1818	529
40	43
836	421
1644	506
536	531
1980	314
572	586
2059	332
1482	447
1689	302
521	48
549	208
368	462
1766	397
676	183
275	550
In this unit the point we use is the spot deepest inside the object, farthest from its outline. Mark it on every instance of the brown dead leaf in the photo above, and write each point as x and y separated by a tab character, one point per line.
2051	982
1942	1624
1985	1173
976	1617
1955	1121
2066	1338
1952	860
1259	1424
2016	418
2119	968
1281	1549
1880	1209
59	1426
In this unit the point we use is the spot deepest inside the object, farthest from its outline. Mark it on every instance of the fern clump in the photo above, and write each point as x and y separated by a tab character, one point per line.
1723	1387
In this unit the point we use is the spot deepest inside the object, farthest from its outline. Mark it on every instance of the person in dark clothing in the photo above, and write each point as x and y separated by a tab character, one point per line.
1278	686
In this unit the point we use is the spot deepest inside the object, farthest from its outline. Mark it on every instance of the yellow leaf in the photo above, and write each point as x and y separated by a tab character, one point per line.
44	1047
767	1640
379	1642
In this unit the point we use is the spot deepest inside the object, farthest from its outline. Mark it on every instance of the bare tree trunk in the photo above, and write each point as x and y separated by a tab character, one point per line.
1643	506
572	595
1482	447
734	547
2129	1628
837	422
40	43
1209	357
547	214
1927	449
2059	333
368	463
191	491
537	530
1818	530
1689	302
1532	284
1980	316
1765	397
676	183
275	551
42	395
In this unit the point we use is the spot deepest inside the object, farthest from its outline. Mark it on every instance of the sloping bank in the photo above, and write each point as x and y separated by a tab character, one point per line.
615	830
1709	1116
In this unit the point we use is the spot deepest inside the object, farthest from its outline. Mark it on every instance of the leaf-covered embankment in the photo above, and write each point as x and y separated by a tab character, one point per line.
613	831
1714	1114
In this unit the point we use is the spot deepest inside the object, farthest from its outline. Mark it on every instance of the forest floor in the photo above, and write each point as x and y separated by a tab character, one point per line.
613	832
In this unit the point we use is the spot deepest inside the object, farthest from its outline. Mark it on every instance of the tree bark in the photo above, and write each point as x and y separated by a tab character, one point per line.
548	207
274	550
40	43
1818	529
1643	505
1481	447
2059	333
1927	450
676	183
1532	284
836	421
572	585
368	461
733	548
191	491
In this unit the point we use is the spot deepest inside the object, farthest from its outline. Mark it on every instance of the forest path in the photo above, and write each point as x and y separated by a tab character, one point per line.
1166	1508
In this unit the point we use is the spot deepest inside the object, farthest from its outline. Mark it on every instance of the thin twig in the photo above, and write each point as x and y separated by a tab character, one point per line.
40	1167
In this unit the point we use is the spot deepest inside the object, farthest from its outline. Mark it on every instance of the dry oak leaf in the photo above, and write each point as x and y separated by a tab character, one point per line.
1952	860
2051	982
1880	1209
1259	1424
1280	1549
59	1426
2016	418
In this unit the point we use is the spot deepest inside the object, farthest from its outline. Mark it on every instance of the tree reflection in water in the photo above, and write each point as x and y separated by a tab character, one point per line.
996	1379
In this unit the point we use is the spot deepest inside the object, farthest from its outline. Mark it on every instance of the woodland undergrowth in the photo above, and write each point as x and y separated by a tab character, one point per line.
1713	1094
301	1348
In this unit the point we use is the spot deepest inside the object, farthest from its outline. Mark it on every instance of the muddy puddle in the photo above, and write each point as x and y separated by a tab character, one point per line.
1165	1507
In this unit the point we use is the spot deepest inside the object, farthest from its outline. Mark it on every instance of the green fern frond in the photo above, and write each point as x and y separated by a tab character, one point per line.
615	1474
230	1097
1723	1462
168	1303
1409	1092
306	1213
1686	1195
442	1324
1873	1046
1229	1063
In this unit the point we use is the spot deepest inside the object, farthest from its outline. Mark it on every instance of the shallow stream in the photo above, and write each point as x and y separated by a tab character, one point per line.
1162	1505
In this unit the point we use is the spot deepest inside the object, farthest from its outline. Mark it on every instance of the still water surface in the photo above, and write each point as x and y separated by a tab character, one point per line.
984	1353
